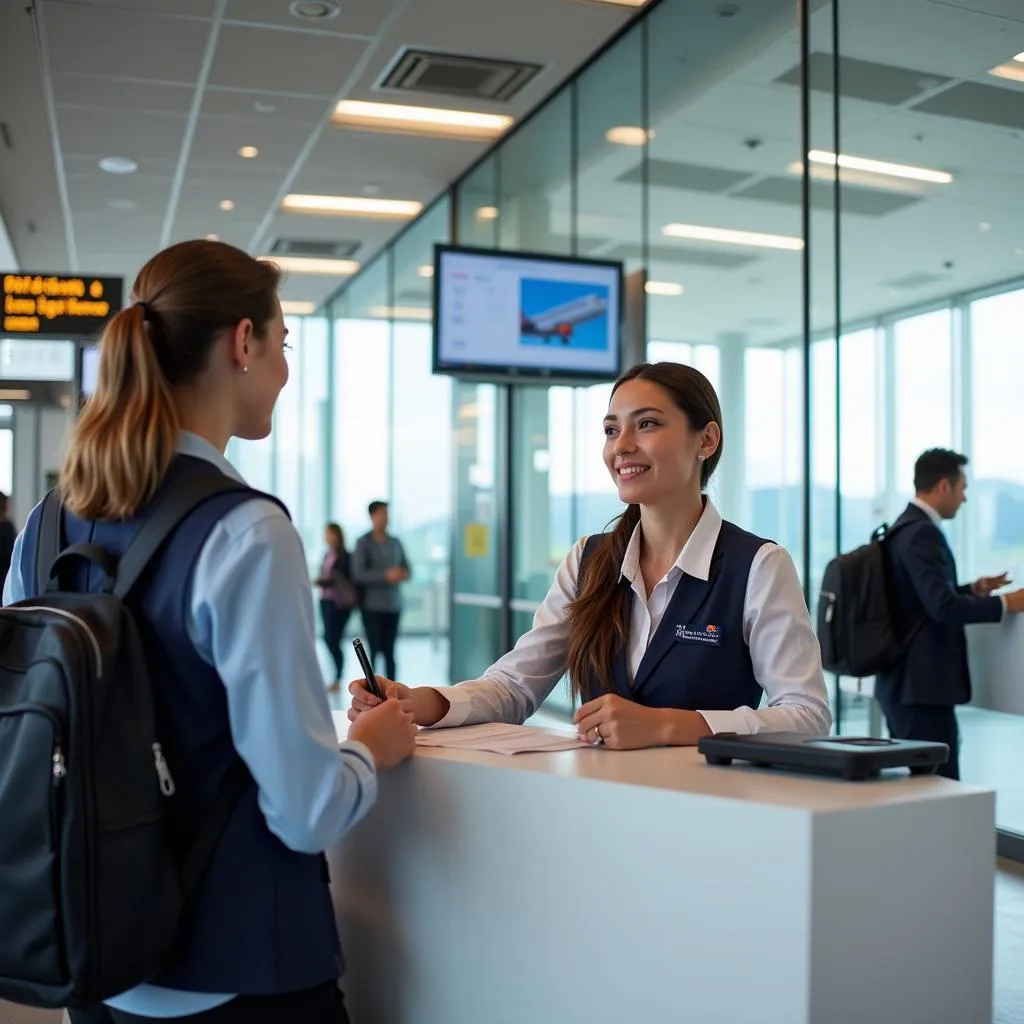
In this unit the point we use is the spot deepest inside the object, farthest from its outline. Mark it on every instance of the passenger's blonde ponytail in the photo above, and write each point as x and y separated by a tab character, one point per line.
123	443
126	436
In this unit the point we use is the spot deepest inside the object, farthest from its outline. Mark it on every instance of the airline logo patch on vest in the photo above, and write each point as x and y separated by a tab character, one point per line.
709	634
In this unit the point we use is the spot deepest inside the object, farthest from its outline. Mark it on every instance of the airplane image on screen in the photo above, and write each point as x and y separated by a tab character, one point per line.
561	321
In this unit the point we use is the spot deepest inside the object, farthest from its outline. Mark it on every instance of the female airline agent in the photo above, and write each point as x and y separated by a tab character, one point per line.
673	625
228	617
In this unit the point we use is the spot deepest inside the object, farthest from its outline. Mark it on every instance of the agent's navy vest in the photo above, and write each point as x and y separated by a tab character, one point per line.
262	921
697	659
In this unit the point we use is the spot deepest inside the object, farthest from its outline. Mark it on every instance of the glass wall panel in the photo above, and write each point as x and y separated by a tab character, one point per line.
314	507
477	204
361	441
422	434
287	431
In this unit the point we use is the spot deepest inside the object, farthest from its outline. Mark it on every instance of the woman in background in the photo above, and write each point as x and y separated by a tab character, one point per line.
337	596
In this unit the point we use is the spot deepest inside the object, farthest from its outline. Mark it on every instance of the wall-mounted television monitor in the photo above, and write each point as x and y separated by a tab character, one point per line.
512	316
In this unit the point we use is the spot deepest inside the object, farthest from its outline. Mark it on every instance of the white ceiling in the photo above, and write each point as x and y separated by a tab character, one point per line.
175	84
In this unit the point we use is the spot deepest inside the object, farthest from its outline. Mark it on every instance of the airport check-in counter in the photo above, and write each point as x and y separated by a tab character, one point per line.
647	886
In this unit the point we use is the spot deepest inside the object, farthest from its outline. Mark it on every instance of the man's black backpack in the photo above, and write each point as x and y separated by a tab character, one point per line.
91	892
856	630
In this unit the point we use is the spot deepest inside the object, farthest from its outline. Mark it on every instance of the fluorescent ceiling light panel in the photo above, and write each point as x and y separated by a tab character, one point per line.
14	395
728	236
297	307
1020	57
619	3
427	270
487	213
401	312
352	206
628	135
663	288
397	117
314	265
868	179
860	163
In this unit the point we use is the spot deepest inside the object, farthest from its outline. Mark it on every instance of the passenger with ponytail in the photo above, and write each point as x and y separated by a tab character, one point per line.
226	613
673	625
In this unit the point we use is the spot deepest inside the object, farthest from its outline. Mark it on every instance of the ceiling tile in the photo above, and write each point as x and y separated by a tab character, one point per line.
692	177
275	61
354	18
243	104
120	197
218	139
865	202
865	79
120	133
125	44
113	94
971	101
133	233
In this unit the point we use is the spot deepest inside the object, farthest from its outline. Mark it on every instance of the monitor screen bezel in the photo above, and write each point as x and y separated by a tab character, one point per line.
503	373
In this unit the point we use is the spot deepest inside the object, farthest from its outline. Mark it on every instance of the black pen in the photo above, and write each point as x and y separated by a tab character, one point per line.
364	663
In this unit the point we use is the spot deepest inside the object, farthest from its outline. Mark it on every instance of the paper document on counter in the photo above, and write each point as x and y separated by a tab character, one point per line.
497	738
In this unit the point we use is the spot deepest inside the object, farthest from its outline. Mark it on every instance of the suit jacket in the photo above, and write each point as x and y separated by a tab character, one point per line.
933	670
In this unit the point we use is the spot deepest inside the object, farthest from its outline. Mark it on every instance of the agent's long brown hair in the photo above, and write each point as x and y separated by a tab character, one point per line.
599	617
125	438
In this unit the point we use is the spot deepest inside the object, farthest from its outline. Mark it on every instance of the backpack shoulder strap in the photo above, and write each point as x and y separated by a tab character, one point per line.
165	518
48	541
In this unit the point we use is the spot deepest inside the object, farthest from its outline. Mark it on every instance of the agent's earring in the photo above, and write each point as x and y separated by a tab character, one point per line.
245	369
701	458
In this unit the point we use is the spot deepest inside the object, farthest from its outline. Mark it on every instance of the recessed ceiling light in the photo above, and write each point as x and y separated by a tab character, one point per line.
212	237
663	288
119	165
14	395
628	135
314	10
227	205
427	270
619	3
984	226
487	213
297	307
1013	70
396	117
730	237
248	152
352	206
401	312
860	163
315	265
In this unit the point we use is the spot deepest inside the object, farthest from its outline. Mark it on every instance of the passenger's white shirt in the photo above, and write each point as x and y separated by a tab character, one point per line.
776	627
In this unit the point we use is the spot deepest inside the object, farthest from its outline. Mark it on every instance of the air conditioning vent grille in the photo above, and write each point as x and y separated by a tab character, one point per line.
457	75
313	247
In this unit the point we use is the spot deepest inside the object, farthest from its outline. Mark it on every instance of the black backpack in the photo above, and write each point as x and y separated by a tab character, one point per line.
855	622
91	890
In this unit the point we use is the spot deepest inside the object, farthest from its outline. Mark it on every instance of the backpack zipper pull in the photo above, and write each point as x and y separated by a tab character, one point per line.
60	768
163	773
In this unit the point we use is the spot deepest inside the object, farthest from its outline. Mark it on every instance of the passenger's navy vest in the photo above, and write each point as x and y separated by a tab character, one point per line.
262	921
697	659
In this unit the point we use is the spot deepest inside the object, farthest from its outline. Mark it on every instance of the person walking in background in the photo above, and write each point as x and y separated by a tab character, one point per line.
919	693
7	536
379	566
338	596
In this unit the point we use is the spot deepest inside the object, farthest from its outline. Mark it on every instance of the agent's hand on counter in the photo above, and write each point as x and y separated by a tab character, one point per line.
621	724
428	706
389	731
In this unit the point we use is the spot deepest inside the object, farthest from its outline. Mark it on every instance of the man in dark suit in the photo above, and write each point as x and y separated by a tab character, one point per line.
919	693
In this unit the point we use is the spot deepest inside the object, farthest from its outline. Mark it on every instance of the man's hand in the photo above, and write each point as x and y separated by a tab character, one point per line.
984	586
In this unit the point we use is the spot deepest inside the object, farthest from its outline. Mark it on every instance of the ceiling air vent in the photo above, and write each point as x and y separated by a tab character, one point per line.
309	247
455	75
